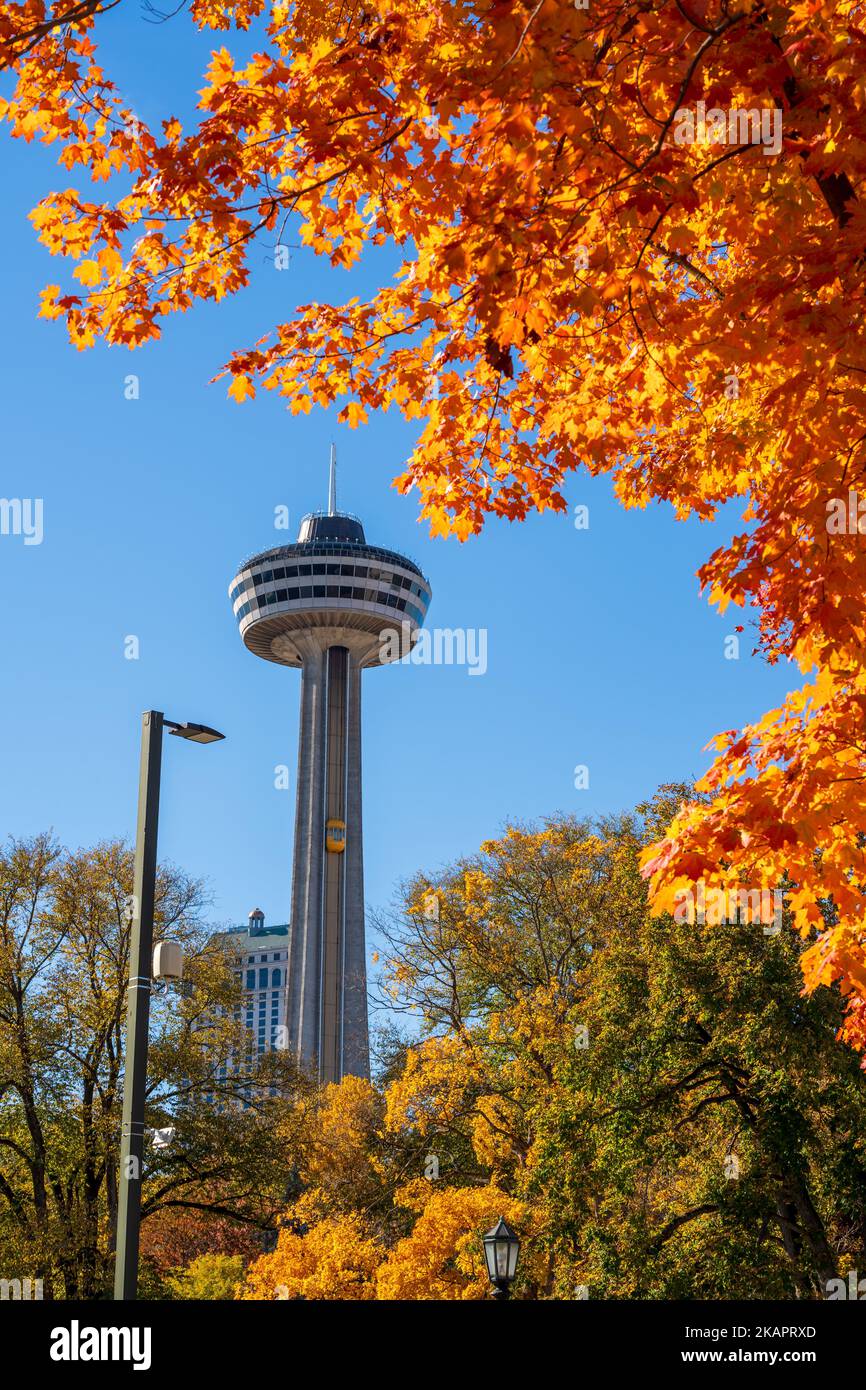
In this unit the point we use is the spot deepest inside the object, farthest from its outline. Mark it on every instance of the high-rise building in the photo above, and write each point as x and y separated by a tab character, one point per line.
331	605
260	957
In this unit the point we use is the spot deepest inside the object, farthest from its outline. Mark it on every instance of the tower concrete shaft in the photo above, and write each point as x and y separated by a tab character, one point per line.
327	999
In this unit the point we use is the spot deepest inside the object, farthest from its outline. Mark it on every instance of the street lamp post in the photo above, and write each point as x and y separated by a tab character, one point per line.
138	998
501	1253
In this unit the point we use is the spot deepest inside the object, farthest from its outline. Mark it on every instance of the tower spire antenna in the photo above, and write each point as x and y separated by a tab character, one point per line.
332	483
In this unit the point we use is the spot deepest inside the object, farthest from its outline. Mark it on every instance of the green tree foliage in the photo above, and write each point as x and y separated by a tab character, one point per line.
679	1119
209	1277
64	957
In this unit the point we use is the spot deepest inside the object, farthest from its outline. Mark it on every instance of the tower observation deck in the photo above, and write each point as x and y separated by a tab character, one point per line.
327	604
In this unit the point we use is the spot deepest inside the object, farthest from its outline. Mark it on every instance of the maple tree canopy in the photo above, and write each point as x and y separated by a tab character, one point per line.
632	239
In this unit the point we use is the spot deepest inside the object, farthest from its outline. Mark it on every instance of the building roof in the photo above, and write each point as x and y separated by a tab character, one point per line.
260	935
332	526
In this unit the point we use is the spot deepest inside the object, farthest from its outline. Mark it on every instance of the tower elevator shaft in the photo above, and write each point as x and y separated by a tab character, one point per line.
327	1001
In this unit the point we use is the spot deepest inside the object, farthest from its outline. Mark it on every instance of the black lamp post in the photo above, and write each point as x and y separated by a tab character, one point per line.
138	1006
501	1252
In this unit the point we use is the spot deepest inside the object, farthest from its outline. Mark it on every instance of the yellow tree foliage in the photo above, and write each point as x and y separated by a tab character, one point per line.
336	1139
443	1066
334	1259
631	238
442	1258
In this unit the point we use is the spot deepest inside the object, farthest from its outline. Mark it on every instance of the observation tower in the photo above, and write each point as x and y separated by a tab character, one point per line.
327	604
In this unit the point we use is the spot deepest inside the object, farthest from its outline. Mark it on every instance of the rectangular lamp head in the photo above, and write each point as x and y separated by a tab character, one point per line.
197	733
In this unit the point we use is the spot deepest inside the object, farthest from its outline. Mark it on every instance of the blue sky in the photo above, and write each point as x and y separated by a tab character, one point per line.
600	650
